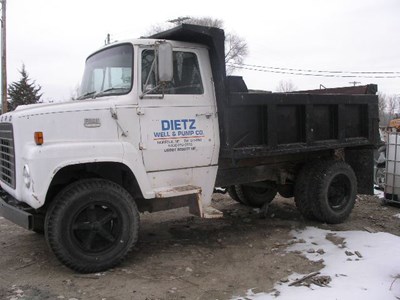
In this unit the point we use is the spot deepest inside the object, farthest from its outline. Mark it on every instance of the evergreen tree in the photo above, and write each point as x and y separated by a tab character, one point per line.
23	91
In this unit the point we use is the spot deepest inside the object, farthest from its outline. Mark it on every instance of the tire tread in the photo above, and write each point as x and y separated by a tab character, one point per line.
61	202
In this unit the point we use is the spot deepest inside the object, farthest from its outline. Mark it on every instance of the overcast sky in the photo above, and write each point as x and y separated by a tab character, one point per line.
53	38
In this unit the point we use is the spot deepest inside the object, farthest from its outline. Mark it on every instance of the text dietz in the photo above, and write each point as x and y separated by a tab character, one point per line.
182	124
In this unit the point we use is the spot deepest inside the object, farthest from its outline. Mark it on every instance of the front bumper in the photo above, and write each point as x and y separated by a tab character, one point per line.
20	214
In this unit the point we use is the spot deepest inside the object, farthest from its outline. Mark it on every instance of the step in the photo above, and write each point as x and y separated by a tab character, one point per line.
178	191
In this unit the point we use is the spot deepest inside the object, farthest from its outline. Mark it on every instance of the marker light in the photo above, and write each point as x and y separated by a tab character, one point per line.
27	176
39	138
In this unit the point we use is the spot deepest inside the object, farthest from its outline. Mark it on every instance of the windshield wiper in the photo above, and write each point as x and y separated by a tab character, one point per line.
84	96
96	94
109	90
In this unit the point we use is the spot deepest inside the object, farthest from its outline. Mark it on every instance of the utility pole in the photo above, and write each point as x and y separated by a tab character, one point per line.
179	21
107	41
4	103
354	82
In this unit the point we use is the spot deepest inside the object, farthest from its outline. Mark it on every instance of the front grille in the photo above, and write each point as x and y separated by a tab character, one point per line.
7	154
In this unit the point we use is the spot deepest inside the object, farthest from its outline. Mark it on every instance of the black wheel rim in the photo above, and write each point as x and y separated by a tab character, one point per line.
258	195
339	192
260	191
96	228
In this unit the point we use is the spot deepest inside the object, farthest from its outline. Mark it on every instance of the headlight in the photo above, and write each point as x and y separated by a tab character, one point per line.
27	176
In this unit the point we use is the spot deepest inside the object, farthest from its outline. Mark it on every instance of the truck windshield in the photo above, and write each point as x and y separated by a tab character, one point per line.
108	72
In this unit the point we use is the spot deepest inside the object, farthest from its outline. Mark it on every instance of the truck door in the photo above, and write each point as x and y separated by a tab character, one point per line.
179	125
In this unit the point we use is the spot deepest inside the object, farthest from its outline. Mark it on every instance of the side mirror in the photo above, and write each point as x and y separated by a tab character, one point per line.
165	62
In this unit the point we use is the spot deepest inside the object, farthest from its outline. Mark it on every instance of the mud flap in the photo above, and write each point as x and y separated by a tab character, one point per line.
362	163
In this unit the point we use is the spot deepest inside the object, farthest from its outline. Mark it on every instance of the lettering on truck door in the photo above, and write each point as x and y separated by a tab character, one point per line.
177	131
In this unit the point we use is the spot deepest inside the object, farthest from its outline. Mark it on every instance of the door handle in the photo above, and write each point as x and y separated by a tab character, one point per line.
207	115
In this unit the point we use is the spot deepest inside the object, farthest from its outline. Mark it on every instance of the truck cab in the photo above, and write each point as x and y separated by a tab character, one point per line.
122	117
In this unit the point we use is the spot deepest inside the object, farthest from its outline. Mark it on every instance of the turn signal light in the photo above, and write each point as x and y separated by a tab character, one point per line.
39	138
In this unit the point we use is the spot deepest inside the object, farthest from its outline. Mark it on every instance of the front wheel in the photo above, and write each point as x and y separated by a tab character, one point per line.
92	225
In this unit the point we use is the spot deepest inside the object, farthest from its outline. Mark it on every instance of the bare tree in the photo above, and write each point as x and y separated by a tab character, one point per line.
382	106
236	48
382	102
156	28
285	86
205	21
75	92
391	105
235	52
388	106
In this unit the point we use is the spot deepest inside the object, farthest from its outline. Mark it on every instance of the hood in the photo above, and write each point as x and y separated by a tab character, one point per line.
55	108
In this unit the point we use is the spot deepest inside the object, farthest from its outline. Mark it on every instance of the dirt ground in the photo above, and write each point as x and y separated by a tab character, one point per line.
180	256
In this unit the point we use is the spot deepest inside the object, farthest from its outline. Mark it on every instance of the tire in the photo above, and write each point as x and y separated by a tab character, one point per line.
334	190
38	231
286	190
302	187
92	225
255	196
232	193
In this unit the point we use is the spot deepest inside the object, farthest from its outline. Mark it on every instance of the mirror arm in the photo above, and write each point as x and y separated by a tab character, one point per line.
155	68
153	89
151	69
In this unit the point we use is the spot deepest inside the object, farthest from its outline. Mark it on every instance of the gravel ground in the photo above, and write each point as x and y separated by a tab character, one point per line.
180	256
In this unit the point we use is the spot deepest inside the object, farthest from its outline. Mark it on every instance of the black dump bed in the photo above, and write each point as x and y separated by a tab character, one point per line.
261	125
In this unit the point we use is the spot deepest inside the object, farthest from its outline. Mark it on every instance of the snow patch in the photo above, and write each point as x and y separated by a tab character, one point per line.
379	193
369	270
397	216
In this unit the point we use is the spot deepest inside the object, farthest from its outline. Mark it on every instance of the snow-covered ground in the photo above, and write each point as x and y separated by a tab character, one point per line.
374	275
379	193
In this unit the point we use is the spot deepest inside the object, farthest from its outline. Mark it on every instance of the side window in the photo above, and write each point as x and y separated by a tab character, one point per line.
186	80
148	71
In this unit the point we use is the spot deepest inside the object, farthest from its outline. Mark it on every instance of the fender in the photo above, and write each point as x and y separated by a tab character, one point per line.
133	159
45	161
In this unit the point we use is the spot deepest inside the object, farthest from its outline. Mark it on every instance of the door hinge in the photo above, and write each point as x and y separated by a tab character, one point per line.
141	146
140	112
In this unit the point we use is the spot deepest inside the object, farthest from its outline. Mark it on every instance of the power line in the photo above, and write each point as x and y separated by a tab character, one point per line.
310	73
322	71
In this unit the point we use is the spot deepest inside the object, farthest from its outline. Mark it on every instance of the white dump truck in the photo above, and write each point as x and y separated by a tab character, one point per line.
159	125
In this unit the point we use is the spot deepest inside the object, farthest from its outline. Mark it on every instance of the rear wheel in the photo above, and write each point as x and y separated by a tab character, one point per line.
256	196
232	193
303	201
333	190
286	190
92	225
